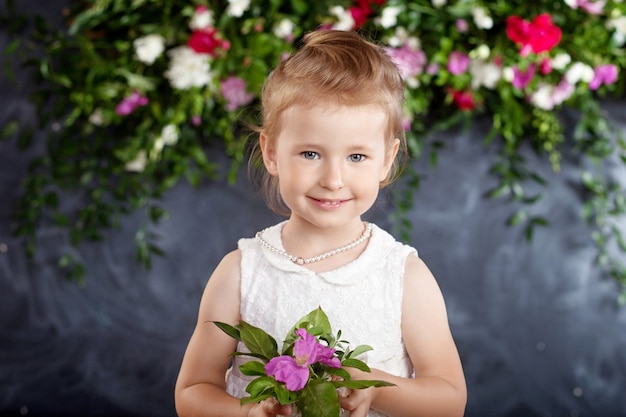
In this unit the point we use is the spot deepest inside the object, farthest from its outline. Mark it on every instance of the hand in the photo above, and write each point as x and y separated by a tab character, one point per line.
269	408
356	401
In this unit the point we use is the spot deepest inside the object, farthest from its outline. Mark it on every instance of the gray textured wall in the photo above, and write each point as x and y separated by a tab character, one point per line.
537	325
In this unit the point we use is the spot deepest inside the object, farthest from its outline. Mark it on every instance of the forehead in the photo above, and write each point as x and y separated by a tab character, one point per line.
329	118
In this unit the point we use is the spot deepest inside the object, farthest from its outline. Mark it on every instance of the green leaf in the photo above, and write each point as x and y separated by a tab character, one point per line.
253	368
261	387
362	383
315	322
284	396
319	399
229	330
359	350
258	341
355	363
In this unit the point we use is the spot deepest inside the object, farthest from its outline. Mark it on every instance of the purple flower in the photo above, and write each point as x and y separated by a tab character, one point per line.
461	25
308	351
410	62
130	103
234	91
458	62
285	369
522	78
294	371
603	74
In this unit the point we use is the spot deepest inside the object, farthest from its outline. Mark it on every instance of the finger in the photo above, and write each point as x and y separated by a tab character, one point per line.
272	407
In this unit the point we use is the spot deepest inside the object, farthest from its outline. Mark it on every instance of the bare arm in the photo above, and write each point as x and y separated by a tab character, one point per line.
438	388
201	386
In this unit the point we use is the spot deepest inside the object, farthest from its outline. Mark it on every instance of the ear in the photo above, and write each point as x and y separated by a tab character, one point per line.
269	154
390	156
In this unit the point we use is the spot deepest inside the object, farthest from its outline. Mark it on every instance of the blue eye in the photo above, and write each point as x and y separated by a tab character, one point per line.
357	157
310	155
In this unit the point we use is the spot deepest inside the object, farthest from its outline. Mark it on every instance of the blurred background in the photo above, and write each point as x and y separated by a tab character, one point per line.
537	324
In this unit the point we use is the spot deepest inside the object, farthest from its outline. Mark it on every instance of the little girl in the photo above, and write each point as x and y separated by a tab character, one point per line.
332	136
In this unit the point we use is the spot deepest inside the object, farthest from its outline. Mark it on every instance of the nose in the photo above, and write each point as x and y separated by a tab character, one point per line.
332	176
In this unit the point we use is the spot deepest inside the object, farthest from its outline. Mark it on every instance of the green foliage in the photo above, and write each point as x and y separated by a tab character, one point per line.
113	162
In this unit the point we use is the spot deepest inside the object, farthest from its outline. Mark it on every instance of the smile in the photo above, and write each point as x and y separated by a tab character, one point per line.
328	203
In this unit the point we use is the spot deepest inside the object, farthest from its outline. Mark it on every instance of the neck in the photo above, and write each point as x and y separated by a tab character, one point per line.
304	239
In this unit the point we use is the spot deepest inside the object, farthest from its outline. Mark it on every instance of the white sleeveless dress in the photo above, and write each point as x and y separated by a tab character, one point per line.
363	299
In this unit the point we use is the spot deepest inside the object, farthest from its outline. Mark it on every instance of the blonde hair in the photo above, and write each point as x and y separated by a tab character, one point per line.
332	67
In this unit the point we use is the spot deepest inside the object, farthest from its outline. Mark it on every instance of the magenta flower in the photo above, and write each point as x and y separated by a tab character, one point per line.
130	103
234	91
285	369
308	351
461	25
294	371
522	78
458	62
410	62
603	74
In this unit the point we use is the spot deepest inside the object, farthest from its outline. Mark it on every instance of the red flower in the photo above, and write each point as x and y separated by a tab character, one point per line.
359	14
537	36
362	10
464	100
207	41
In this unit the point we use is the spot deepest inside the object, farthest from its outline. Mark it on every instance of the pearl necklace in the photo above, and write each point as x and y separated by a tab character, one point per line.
301	261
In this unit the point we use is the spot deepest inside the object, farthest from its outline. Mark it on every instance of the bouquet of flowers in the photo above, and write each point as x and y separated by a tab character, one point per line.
309	369
133	94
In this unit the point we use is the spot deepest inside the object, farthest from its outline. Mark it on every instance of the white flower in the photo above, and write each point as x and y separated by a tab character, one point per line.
344	18
284	29
548	96
389	16
97	117
168	137
400	37
481	52
139	163
542	97
481	18
169	134
236	8
201	19
579	71
508	74
188	69
439	3
619	24
560	61
484	74
149	48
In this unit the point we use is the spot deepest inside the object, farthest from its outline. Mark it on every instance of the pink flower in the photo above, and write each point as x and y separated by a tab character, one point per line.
207	41
410	62
590	6
432	69
294	371
538	36
286	370
458	62
234	91
522	78
461	25
603	74
130	103
308	351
